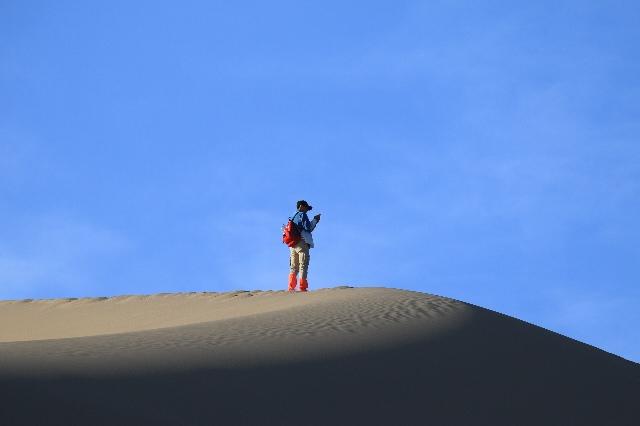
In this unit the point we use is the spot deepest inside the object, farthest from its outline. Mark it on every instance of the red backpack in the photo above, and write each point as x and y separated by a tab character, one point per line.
291	233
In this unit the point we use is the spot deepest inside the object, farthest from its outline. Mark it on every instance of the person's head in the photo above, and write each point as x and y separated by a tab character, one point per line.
303	206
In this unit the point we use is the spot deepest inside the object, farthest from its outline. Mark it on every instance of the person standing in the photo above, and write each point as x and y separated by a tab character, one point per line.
299	254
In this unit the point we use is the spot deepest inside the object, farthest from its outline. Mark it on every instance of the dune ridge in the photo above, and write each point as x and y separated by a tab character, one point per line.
48	319
333	356
234	328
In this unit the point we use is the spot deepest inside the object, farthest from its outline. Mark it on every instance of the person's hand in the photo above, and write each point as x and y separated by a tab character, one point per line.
317	217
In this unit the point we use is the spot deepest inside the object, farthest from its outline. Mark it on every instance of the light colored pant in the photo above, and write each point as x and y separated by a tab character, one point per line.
299	259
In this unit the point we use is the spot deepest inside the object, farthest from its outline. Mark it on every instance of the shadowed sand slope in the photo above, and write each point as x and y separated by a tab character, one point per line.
332	356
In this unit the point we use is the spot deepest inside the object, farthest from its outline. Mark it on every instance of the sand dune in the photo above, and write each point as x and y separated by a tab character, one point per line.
62	318
332	356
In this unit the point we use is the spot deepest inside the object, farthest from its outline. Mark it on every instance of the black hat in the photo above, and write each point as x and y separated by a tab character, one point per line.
303	203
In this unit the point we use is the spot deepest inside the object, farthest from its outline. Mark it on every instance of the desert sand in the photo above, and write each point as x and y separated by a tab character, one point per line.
334	356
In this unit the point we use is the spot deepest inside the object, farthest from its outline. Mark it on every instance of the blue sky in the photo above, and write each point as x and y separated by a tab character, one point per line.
486	151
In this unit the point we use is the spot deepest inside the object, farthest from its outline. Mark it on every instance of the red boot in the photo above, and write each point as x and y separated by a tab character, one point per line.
293	282
303	284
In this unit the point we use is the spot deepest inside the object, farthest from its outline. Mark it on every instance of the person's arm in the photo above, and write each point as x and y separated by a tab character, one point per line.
308	225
